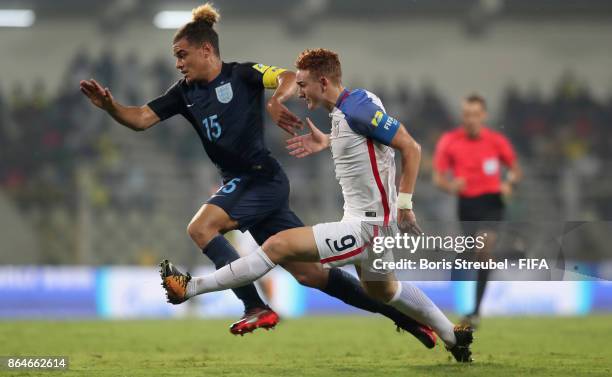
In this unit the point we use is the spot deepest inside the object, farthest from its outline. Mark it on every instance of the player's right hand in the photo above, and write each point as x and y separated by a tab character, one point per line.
283	117
99	96
304	145
407	223
457	185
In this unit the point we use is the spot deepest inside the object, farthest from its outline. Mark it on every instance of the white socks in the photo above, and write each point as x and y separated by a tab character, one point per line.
411	301
408	299
240	272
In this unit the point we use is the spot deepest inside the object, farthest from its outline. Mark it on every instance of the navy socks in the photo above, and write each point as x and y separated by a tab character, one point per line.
221	253
348	289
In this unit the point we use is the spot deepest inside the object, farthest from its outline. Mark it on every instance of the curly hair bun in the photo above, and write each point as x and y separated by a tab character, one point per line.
206	13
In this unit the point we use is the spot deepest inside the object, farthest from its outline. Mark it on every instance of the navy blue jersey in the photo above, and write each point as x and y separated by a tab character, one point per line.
227	114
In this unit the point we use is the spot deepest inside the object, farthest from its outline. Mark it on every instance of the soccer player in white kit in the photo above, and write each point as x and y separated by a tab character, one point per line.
363	141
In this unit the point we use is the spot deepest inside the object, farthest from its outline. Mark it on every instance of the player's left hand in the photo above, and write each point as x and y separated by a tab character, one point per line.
305	145
407	223
284	118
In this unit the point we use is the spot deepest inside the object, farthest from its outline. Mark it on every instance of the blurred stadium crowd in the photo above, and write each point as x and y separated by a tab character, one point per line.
82	182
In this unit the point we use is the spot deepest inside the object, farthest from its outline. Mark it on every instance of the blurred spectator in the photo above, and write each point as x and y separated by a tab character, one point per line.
131	78
78	69
162	74
105	69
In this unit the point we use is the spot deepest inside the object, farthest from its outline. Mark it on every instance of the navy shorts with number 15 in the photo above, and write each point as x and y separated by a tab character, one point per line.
259	204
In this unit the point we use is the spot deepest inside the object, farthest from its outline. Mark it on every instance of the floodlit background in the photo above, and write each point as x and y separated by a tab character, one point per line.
88	207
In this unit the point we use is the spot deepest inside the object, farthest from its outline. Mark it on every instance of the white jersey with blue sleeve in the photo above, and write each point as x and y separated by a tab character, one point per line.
365	164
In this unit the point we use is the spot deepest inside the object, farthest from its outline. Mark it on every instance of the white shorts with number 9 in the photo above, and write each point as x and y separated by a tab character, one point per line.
346	242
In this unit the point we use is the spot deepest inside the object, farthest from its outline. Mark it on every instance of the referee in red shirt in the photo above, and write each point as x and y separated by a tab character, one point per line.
467	163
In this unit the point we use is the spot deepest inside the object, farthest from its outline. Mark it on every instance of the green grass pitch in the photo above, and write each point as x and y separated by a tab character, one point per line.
312	346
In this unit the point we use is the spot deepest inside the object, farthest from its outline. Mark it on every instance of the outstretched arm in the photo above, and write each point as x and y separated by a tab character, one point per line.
133	117
305	145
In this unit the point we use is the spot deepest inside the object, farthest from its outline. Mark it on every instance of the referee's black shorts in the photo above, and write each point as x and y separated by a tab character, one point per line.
480	213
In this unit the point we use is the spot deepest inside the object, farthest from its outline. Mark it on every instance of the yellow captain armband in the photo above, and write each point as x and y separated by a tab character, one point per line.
270	75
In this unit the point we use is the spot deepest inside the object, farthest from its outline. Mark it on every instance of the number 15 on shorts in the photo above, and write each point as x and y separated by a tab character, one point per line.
230	186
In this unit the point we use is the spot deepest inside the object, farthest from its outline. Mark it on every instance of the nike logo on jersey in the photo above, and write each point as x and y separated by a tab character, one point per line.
189	105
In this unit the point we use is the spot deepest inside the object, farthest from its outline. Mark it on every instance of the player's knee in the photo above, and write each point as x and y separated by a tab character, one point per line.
386	295
276	248
309	280
201	233
371	291
381	295
311	275
382	292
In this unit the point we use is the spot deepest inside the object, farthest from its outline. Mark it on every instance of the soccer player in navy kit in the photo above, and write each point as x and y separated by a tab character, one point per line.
223	102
